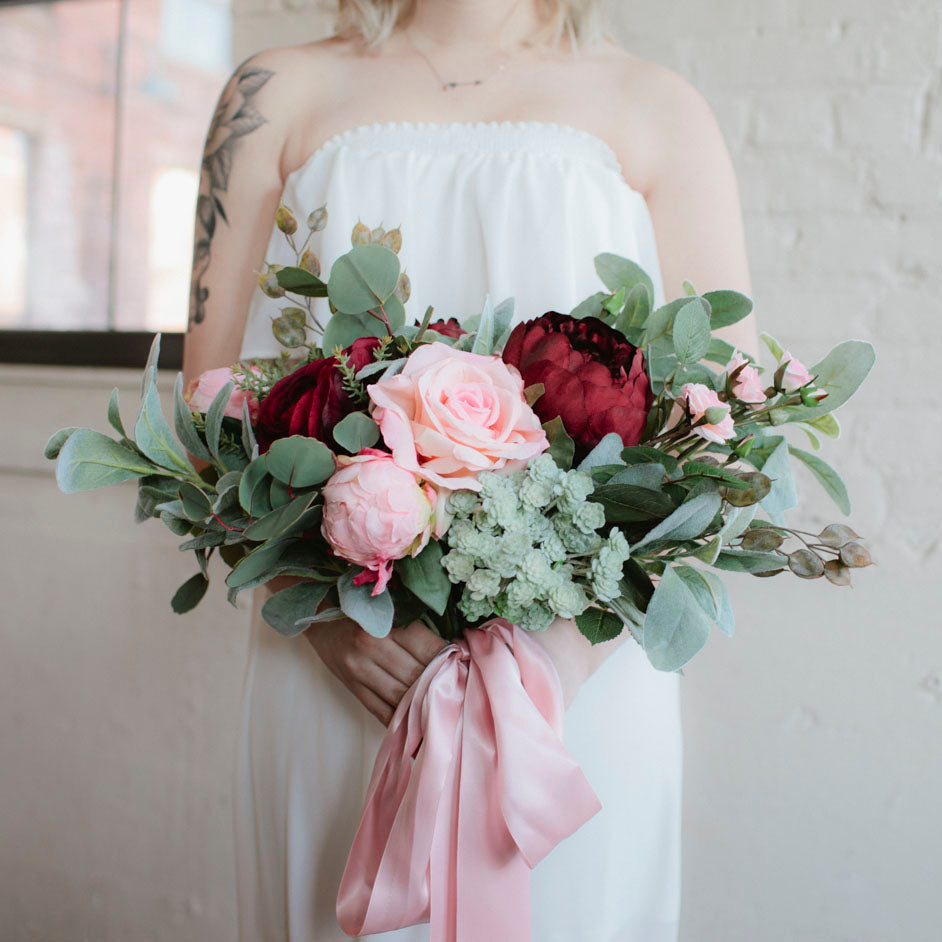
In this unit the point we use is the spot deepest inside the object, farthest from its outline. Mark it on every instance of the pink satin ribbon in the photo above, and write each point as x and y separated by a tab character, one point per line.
471	788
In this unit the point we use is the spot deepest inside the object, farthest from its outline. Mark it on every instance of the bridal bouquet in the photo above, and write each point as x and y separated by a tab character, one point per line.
601	465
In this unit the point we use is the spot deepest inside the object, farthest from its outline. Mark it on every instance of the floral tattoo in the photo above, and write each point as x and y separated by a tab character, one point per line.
235	117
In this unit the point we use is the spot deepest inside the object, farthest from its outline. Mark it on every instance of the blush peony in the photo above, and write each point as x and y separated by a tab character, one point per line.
375	513
450	415
594	379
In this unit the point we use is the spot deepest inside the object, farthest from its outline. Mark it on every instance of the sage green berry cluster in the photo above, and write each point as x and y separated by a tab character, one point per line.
526	548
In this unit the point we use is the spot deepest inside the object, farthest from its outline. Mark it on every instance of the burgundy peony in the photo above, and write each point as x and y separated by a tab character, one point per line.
311	400
448	328
595	380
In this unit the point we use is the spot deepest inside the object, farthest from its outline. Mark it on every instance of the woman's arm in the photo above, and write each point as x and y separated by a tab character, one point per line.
240	186
691	191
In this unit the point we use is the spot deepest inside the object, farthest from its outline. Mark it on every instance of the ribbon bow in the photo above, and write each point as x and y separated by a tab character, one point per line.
471	788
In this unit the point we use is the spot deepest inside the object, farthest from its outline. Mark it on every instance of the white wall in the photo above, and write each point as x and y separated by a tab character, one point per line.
812	737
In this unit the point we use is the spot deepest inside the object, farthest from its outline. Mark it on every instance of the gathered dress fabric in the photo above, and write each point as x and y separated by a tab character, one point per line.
498	209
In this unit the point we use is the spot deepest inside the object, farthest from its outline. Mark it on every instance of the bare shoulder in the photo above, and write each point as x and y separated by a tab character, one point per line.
664	113
282	85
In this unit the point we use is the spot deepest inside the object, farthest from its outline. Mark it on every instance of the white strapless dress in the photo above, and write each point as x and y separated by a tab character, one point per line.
506	209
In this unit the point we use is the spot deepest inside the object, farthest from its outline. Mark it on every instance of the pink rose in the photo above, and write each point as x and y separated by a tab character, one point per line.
796	374
450	415
376	512
203	391
700	399
747	386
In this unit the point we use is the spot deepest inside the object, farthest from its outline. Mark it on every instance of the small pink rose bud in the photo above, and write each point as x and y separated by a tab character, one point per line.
796	373
747	386
204	389
704	403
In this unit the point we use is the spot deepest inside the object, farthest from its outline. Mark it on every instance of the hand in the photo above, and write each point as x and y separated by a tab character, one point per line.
377	671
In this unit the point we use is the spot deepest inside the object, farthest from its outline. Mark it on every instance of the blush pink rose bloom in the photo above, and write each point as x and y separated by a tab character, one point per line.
376	512
450	415
699	399
747	387
796	373
208	384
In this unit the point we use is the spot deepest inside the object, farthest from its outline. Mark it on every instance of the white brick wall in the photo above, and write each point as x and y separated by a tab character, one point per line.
812	738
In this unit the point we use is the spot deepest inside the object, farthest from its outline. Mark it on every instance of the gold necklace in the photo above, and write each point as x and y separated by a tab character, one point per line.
446	83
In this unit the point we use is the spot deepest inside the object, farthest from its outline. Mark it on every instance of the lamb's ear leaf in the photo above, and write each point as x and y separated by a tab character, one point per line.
373	613
183	423
89	460
286	608
675	627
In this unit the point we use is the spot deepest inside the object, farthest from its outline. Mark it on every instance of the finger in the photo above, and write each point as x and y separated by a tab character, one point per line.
419	641
397	661
379	708
380	681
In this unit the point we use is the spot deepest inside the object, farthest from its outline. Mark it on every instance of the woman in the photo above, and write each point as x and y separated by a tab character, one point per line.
510	142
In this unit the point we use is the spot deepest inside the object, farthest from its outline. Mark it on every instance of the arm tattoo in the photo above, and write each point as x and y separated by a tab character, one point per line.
227	127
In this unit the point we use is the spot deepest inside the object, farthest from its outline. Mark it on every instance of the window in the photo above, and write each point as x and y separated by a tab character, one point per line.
104	106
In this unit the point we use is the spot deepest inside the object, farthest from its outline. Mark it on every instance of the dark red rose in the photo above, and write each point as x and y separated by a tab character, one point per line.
449	328
311	400
595	380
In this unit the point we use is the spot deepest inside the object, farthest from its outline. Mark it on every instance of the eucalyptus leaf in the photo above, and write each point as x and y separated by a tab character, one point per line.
196	505
675	627
254	488
190	594
637	454
299	461
372	613
286	608
355	432
258	564
719	351
425	577
249	444
363	278
276	522
590	307
89	459
342	329
628	503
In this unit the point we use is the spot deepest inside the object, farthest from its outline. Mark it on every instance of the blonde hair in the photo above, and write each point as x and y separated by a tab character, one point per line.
375	20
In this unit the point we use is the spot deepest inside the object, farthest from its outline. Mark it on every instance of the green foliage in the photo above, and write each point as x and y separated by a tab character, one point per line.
617	272
688	521
299	461
675	627
154	437
56	441
727	308
285	609
90	460
362	279
599	625
190	594
355	432
562	447
254	488
829	479
424	577
691	333
302	282
372	613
